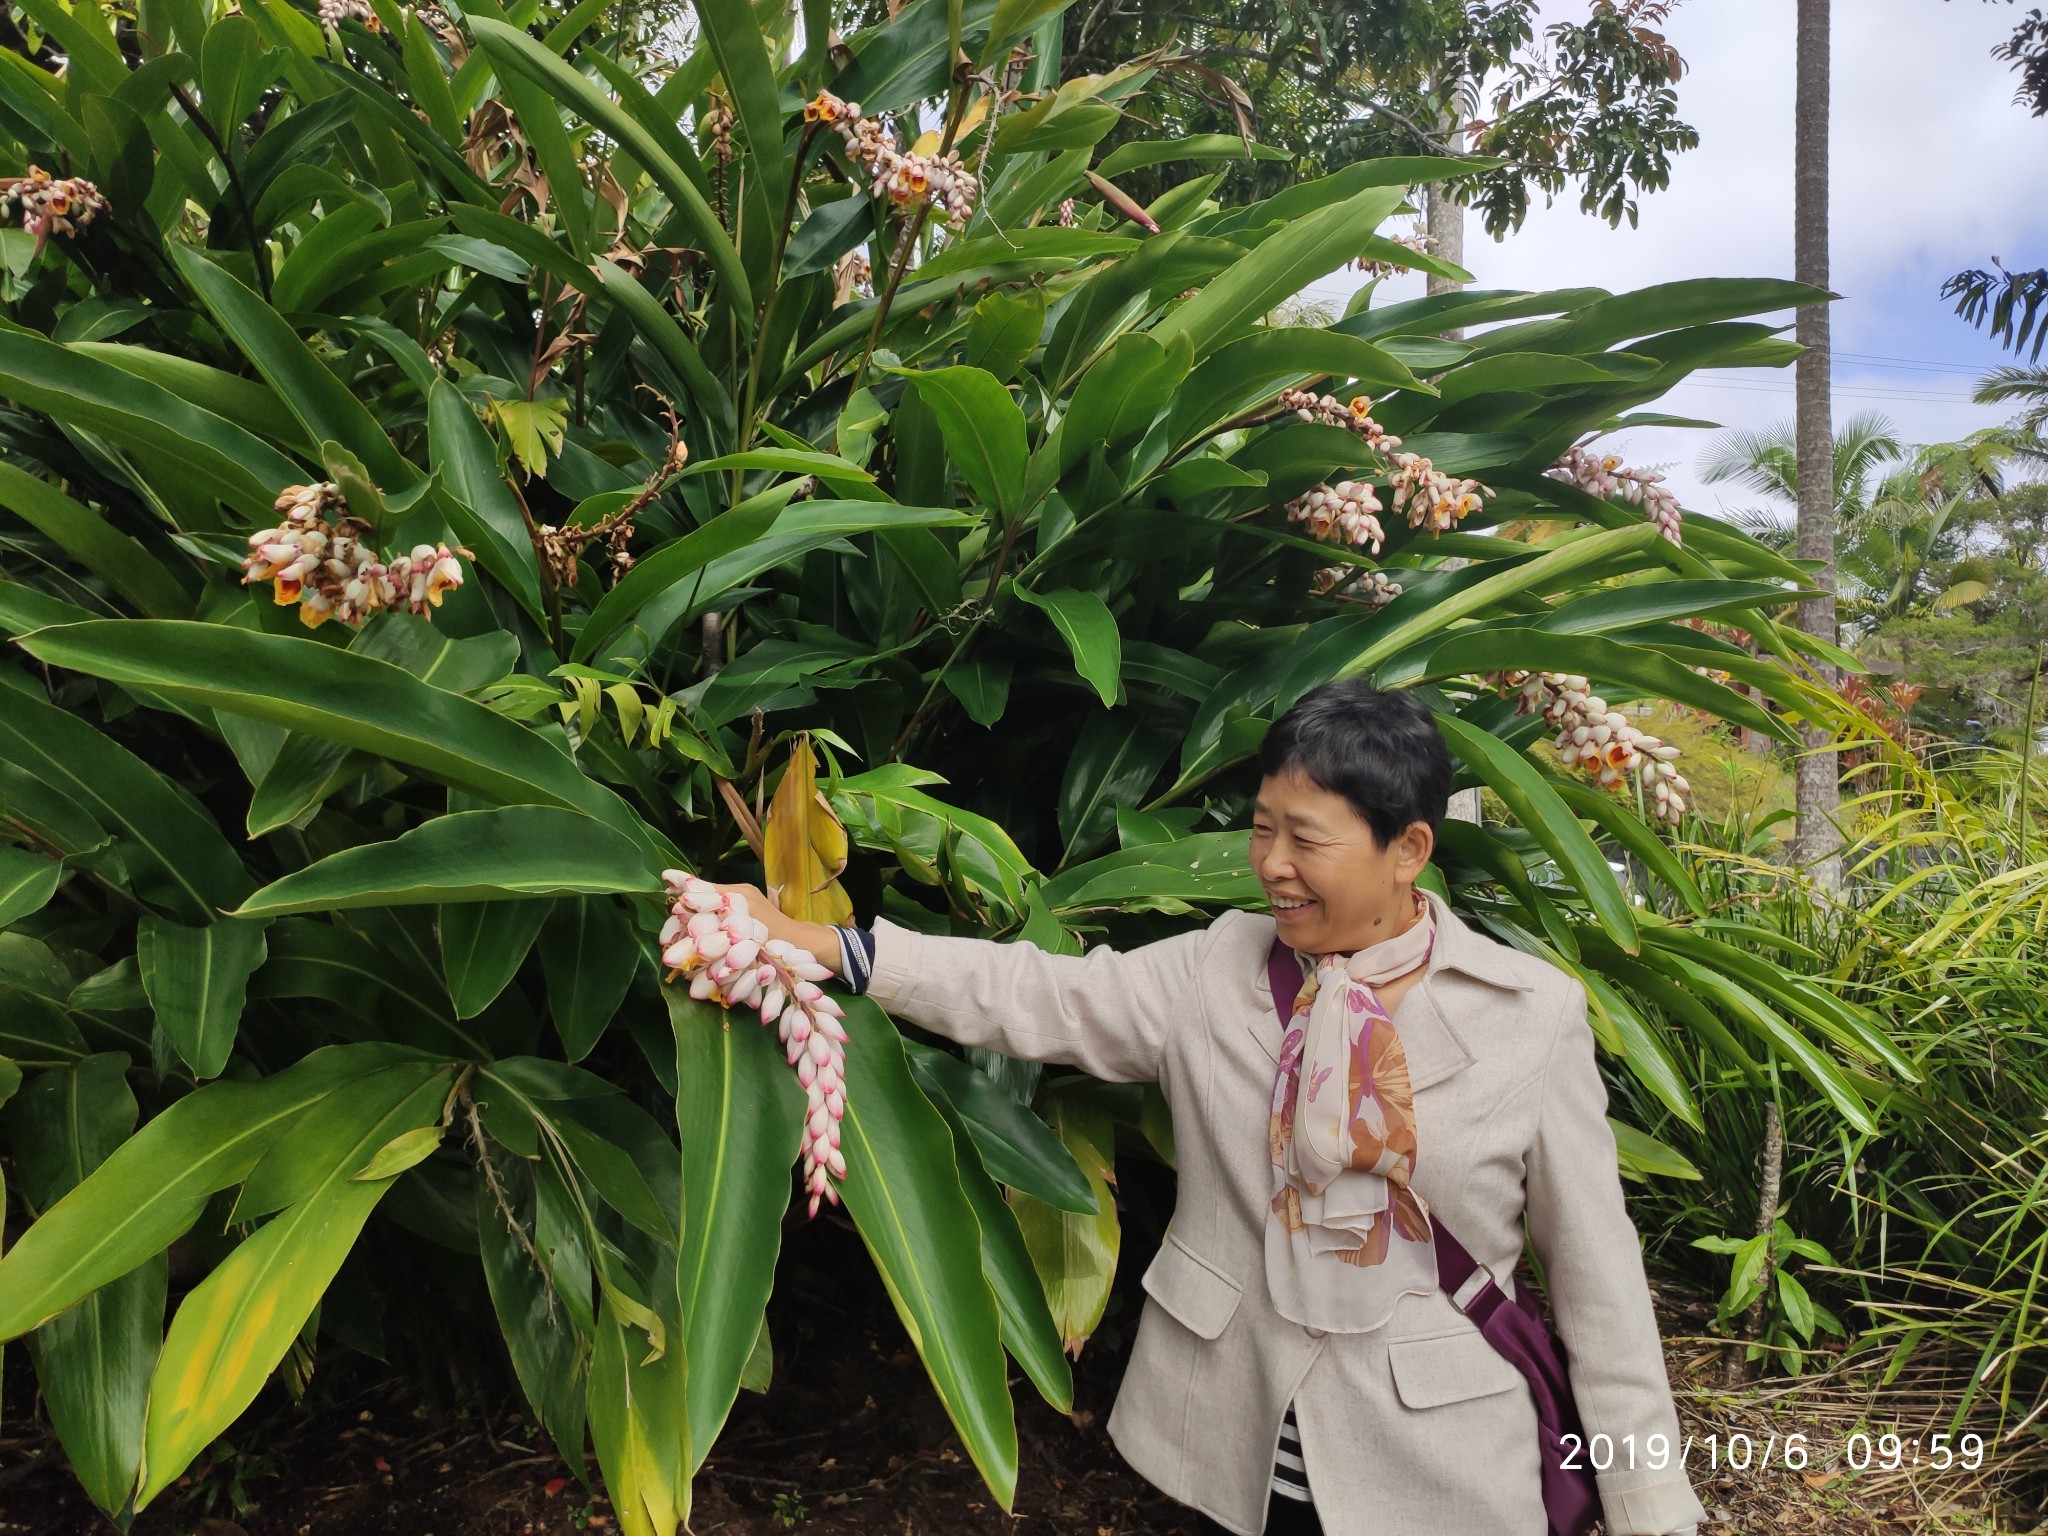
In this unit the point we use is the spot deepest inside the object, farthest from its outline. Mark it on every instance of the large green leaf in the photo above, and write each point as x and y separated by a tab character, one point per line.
588	952
1510	647
341	696
197	980
543	1308
984	432
233	1328
27	882
1076	1254
485	510
1089	628
155	1184
1028	1329
640	1422
1121	393
176	856
1205	867
689	585
1014	1145
497	855
905	1197
132	571
674	562
749	74
322	402
740	1111
483	944
1313	246
1546	818
213	457
92	1360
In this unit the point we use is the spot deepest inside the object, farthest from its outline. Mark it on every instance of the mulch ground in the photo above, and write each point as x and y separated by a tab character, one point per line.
851	1441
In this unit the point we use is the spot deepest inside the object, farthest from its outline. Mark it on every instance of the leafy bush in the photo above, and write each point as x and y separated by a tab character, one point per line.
320	912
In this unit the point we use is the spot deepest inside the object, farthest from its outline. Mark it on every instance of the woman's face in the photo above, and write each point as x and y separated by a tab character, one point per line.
1310	846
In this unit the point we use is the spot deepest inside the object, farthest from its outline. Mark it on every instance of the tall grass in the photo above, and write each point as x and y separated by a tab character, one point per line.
1937	1225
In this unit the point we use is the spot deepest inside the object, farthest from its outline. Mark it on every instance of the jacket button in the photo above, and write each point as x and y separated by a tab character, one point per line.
1315	1333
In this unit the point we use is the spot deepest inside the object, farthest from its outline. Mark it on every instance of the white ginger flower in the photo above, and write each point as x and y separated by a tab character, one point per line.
711	938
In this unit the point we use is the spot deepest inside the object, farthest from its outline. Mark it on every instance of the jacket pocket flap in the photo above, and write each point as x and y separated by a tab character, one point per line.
1449	1368
1200	1296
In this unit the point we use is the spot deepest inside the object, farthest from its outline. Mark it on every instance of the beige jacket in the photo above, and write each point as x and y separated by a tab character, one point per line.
1419	1428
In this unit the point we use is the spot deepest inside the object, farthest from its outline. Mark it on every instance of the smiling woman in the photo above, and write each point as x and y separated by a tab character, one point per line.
1317	1352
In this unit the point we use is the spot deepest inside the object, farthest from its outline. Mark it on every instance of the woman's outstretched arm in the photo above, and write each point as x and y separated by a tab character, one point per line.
1107	1012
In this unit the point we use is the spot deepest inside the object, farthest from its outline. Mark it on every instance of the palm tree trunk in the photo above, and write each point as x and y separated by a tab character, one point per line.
1445	216
1817	840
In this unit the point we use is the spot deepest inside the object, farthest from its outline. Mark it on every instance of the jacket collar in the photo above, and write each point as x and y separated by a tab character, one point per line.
1433	1045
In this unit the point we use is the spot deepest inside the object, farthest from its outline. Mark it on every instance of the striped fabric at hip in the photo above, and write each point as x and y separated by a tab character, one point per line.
1290	1476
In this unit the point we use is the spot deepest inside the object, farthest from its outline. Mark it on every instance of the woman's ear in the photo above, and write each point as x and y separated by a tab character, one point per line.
1412	850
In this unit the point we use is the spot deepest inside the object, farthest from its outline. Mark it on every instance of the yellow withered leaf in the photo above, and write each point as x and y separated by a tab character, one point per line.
805	845
928	141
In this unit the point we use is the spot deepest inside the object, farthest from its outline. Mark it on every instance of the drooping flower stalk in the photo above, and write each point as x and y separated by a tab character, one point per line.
322	564
1604	475
1420	491
941	181
726	953
50	205
1600	742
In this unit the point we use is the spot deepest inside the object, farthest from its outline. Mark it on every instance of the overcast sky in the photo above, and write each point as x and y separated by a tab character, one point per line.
1934	168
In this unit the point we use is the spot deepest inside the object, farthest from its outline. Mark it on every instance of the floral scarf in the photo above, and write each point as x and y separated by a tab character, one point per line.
1349	1236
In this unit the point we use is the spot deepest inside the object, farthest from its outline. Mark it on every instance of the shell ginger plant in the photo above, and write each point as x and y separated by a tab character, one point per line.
454	478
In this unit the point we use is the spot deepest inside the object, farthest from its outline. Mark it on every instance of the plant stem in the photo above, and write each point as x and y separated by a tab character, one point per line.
1766	1224
256	250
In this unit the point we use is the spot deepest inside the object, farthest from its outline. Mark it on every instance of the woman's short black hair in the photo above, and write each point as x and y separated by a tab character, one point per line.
1380	750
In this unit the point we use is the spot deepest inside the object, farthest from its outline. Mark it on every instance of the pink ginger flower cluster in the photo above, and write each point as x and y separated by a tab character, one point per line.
323	565
1430	498
334	12
1068	216
1603	475
49	206
938	180
1600	742
1427	496
1341	514
1348	583
711	938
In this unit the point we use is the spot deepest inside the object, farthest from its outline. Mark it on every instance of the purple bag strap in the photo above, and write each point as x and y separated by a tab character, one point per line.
1454	1265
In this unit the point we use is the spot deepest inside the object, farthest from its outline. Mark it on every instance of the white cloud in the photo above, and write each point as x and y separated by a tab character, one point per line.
1933	168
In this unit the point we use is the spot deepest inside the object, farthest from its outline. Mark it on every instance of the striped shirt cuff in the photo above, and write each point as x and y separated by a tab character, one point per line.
856	956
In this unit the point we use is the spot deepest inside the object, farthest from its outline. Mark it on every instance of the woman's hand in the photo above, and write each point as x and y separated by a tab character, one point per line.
818	938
